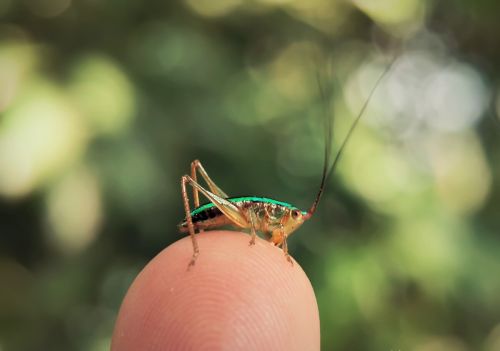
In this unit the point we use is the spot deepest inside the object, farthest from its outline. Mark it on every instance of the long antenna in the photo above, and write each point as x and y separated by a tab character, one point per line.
328	170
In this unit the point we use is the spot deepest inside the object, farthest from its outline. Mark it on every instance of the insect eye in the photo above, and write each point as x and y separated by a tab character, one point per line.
295	214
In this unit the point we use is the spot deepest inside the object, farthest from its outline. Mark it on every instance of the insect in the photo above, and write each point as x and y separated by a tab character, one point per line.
275	218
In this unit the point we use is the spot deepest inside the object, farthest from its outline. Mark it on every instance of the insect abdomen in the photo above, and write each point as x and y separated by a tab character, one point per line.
210	217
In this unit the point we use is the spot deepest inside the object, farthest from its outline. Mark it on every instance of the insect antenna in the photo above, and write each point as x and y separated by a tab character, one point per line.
327	170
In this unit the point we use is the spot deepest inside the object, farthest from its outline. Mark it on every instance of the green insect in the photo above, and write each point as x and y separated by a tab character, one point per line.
274	218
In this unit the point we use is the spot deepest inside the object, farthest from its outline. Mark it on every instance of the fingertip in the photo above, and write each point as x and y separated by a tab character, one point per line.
236	296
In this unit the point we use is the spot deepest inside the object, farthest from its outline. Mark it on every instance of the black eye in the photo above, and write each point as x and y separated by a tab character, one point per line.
295	214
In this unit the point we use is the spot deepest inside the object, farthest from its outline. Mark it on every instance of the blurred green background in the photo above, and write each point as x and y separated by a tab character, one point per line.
104	104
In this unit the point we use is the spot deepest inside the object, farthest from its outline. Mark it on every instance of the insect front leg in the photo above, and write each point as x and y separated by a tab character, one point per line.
278	238
284	244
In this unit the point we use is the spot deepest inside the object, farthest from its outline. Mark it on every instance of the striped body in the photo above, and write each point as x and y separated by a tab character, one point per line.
267	213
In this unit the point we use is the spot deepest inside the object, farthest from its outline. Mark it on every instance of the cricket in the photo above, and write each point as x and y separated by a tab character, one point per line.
277	220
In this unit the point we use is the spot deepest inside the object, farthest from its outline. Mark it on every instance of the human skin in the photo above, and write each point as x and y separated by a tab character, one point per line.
236	297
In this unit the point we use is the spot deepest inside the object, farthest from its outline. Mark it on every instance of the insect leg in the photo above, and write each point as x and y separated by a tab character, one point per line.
279	237
285	245
196	249
196	165
196	197
251	216
230	210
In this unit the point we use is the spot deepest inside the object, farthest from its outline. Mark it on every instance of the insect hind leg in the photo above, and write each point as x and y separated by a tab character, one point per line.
197	166
231	211
196	250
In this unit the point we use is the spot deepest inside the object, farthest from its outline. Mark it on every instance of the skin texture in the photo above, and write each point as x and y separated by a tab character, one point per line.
236	297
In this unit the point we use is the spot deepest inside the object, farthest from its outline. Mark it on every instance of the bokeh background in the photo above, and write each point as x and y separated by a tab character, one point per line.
104	104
